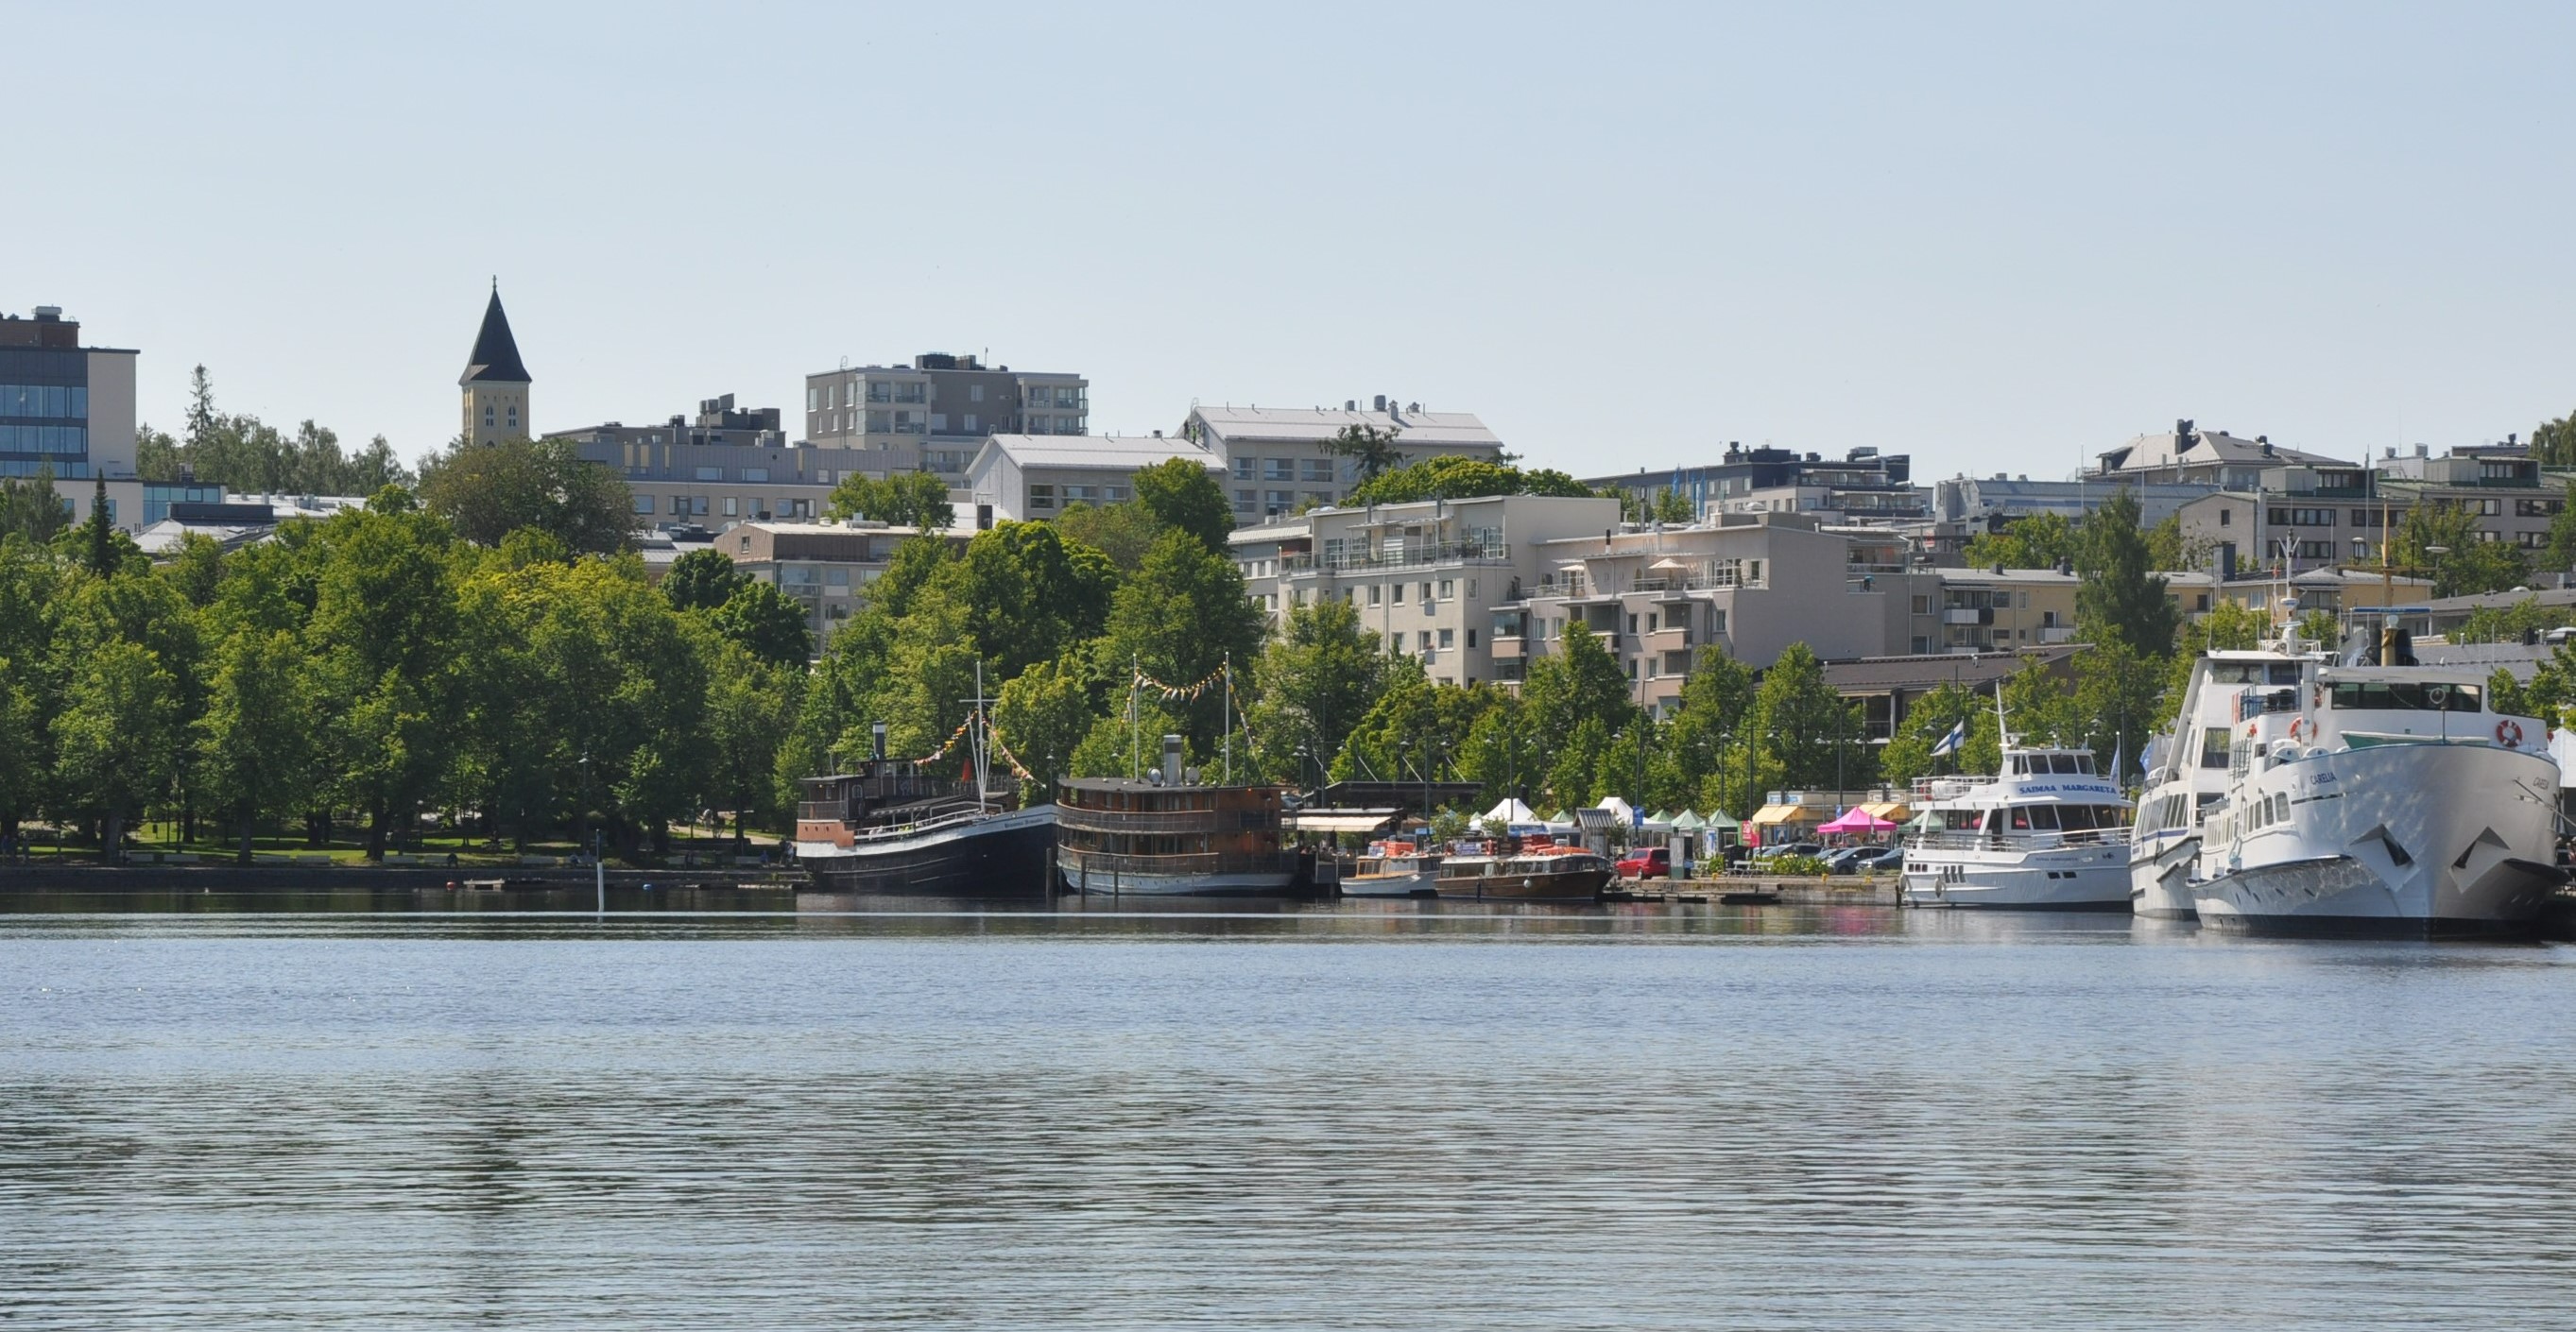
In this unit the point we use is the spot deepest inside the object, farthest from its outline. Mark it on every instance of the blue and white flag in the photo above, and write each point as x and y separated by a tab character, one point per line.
1950	743
2119	757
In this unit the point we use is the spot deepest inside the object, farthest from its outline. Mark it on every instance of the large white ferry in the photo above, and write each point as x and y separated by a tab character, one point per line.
2371	799
2047	834
2187	774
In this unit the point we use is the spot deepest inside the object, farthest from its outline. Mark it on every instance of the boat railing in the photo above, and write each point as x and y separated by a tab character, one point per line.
1948	788
1176	821
932	823
2036	839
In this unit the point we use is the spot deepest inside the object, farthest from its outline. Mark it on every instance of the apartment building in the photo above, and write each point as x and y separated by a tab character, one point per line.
1863	486
823	567
70	408
1019	477
1277	458
723	464
2306	517
934	413
1428	579
1750	583
2206	457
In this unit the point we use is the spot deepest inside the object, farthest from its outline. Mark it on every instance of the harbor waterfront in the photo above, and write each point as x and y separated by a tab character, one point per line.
1366	1114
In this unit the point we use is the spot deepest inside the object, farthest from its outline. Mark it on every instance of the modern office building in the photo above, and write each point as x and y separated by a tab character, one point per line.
1019	477
1277	458
70	408
933	414
495	382
1426	578
2307	517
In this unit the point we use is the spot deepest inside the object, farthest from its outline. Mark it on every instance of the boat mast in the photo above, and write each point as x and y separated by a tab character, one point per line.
980	743
1228	720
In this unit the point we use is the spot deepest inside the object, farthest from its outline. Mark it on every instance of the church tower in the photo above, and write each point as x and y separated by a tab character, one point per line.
495	382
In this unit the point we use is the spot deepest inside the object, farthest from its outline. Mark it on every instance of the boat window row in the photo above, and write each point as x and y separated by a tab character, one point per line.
2253	703
2035	818
2254	672
2025	765
2406	696
2266	812
2164	812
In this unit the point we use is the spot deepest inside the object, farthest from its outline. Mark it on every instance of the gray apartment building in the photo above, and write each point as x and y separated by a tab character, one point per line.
933	414
1863	486
1277	458
824	568
2306	517
724	464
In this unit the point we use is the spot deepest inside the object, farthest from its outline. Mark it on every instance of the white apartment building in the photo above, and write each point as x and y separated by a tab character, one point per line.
1277	458
1426	578
1023	477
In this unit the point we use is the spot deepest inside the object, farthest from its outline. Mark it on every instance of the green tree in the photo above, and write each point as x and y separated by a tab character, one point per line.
703	580
31	508
1125	745
2444	538
1367	445
750	709
115	737
1122	532
767	622
2506	624
2561	554
382	637
2119	701
1312	683
2037	541
1457	476
1909	755
1182	616
2554	442
255	743
1701	757
1415	731
2121	599
196	569
156	455
1042	716
486	492
1030	596
1574	699
1184	496
918	500
1811	734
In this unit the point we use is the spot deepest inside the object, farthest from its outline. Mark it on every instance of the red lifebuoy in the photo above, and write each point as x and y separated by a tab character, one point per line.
2298	727
2509	733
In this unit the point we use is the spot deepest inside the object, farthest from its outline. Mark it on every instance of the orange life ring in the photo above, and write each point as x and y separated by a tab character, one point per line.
2509	733
2298	727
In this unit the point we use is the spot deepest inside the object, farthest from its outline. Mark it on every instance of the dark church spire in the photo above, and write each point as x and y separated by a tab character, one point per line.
495	359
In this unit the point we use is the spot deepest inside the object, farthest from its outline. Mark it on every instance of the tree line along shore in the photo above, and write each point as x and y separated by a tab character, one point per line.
479	653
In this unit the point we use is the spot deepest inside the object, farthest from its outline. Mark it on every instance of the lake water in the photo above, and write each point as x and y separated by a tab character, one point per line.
1390	1115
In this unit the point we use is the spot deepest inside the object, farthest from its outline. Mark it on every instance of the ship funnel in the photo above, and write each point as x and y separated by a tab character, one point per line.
1171	760
876	741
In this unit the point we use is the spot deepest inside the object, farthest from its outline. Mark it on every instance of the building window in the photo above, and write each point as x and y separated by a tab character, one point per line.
971	427
1243	470
1080	493
755	474
1319	469
974	393
1041	497
2302	517
1448	588
1374	590
1115	494
2227	517
810	404
710	474
2490	508
1278	469
643	504
1448	638
939	423
1245	501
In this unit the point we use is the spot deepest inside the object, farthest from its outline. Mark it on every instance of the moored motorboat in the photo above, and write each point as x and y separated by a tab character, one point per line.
2046	833
1534	869
1397	868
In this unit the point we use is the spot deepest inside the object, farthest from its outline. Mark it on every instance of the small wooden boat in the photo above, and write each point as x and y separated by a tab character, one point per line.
1535	869
1394	869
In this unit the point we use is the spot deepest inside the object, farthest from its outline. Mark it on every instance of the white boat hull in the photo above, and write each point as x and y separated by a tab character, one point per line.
2077	878
2160	874
1414	883
2397	839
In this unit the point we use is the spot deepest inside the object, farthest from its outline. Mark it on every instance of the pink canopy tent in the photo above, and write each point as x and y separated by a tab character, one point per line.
1858	820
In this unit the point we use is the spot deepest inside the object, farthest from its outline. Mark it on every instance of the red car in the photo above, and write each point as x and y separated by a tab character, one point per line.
1649	863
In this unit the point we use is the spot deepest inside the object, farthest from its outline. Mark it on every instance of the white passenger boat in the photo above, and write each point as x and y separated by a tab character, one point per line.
2381	799
1394	868
2187	774
2045	834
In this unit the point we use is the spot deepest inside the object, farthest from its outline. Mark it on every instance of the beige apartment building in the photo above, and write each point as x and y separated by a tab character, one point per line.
1278	458
1427	578
1022	477
824	567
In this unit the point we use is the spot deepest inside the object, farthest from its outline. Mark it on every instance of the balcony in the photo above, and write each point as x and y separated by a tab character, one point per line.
1967	615
1417	556
1506	649
1673	639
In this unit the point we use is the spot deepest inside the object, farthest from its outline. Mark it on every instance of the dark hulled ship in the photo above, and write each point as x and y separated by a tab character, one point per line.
900	826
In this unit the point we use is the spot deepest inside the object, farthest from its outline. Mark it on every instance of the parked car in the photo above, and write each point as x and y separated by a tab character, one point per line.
1839	860
1647	862
1878	860
1764	855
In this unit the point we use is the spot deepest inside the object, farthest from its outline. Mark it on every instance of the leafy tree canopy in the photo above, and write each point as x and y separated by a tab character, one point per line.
918	500
488	491
1184	496
1457	476
702	580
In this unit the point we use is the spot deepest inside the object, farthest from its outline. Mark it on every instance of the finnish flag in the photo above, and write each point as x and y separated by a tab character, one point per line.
1950	743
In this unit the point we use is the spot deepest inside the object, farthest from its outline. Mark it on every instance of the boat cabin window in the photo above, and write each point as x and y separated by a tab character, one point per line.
2406	696
2075	818
2070	764
1960	820
2213	746
2018	818
2043	818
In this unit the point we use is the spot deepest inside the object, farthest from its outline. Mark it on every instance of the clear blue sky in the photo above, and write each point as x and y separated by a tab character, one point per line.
1998	237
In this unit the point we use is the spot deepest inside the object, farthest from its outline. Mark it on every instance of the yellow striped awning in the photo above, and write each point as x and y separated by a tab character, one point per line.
1894	811
1770	816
